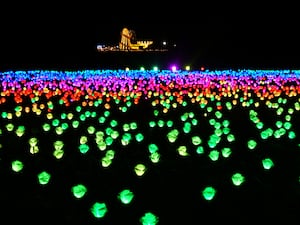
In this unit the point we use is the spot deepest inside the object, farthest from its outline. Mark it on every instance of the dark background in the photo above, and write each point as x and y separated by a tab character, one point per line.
64	35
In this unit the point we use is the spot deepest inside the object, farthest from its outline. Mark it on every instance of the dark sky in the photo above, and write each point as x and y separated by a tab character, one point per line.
227	35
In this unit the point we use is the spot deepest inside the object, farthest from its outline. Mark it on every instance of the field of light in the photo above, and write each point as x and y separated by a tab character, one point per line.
150	146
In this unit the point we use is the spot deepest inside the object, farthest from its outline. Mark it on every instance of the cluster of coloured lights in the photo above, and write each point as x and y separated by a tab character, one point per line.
95	103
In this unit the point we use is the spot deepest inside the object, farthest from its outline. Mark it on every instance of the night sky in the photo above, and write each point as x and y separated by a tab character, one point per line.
247	35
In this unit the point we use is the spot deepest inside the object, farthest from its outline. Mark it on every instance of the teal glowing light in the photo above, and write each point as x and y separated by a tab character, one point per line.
44	178
152	148
79	190
209	193
149	219
170	123
55	122
200	150
84	148
139	137
126	138
291	135
126	196
187	127
99	209
109	140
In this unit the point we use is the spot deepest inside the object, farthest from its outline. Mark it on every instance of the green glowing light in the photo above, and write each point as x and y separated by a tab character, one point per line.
20	131
10	127
33	141
196	140
91	129
133	125
59	130
44	178
109	140
252	144
140	169
126	127
169	123
17	165
55	122
237	179
58	153
108	130
114	134
139	137
267	163
187	127
106	113
84	148
101	145
209	193
83	140
75	124
126	138
64	126
113	123
106	161
99	209
292	135
200	150
101	119
79	190
149	219
152	148
230	138
155	157
110	154
126	196
58	145
226	152
182	150
214	155
152	124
